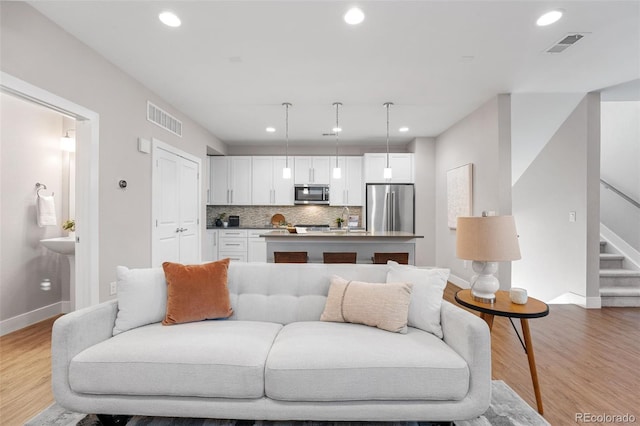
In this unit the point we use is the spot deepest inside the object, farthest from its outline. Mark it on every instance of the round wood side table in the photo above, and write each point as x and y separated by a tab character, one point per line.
504	307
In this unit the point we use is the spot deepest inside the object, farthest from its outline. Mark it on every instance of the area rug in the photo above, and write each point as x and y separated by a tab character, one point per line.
506	409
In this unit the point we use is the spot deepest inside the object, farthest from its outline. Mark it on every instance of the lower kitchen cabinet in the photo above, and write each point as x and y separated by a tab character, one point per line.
257	251
210	252
242	245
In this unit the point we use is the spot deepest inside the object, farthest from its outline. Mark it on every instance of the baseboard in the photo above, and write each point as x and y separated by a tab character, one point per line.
29	318
576	299
459	281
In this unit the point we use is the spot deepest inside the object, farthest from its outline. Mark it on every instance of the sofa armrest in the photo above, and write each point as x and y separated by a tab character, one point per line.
73	333
469	336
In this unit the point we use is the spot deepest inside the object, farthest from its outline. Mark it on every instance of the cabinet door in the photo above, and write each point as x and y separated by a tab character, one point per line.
219	180
353	186
257	250
374	165
337	188
210	252
302	171
402	167
282	188
321	170
262	181
240	180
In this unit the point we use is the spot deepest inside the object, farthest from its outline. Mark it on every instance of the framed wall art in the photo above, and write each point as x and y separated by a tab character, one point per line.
459	193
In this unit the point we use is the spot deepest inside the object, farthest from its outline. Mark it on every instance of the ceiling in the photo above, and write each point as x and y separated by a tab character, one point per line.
232	64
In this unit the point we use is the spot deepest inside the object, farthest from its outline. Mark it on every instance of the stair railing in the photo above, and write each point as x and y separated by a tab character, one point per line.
607	185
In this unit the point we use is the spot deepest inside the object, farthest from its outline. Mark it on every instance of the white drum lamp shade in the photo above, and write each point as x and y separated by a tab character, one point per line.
485	241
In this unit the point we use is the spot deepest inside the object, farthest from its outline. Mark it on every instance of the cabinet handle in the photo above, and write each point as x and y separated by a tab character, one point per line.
215	239
231	201
233	244
228	196
310	178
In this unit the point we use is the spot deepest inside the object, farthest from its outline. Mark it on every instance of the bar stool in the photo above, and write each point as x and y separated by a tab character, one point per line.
290	256
339	257
402	258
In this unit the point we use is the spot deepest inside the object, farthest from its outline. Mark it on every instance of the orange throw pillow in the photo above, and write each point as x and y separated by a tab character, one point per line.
196	292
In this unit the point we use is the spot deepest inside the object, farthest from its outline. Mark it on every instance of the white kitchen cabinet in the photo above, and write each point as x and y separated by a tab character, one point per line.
233	244
210	253
230	180
257	250
347	191
312	170
401	166
268	185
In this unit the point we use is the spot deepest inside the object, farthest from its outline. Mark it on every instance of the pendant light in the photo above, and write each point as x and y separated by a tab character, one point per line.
387	174
286	171
337	173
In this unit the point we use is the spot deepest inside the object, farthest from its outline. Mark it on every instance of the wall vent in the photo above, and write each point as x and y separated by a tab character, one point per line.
567	41
163	119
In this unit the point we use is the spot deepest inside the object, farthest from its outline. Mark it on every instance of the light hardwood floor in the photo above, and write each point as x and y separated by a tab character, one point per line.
587	363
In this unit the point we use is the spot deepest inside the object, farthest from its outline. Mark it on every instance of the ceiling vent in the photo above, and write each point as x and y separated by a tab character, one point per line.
567	41
163	119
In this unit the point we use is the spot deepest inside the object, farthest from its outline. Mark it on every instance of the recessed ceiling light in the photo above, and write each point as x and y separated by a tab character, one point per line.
354	16
336	129
170	19
270	129
403	129
549	18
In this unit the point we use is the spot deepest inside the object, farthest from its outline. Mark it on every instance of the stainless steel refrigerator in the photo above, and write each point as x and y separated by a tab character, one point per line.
390	207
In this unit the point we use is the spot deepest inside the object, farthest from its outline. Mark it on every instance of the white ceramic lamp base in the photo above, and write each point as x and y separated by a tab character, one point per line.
485	284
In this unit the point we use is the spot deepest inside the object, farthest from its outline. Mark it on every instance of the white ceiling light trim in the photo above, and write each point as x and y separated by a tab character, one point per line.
403	129
170	19
270	129
354	16
549	18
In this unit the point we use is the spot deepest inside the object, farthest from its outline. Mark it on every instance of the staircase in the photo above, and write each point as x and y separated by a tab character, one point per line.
619	286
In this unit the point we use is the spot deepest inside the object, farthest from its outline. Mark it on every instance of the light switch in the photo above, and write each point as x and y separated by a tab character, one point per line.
144	145
572	216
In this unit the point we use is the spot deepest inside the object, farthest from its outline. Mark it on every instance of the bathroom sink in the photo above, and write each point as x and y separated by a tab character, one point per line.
62	245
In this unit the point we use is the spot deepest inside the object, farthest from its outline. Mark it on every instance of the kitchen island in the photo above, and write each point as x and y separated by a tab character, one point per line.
364	243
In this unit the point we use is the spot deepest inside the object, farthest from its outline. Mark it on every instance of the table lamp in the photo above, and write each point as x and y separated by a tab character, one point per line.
486	240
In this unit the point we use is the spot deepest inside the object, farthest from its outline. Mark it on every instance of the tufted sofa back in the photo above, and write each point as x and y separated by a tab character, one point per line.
289	292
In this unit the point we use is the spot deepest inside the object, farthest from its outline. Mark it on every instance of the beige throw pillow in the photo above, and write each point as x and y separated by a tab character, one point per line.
381	305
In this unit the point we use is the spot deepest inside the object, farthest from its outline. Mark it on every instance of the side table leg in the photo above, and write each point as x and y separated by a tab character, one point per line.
488	318
532	362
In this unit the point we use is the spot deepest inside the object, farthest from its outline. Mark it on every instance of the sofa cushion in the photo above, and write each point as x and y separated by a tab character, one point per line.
426	297
142	297
218	358
325	361
196	292
385	306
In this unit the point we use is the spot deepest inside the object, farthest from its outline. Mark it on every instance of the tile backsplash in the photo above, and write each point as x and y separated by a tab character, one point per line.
257	216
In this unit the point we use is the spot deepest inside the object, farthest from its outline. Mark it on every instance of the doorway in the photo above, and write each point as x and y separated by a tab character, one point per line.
86	191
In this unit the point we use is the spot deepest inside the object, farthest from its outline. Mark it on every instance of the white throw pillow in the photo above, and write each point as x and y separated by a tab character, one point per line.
142	297
426	297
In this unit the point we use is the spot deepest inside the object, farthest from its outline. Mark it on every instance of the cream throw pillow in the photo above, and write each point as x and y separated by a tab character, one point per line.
385	306
426	296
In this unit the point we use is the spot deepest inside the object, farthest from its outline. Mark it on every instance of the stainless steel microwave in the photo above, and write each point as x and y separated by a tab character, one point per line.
311	194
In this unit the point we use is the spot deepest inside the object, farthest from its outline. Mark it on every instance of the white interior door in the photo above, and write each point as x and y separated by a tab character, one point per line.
176	206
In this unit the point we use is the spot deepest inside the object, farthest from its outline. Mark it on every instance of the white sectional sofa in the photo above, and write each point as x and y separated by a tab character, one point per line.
272	360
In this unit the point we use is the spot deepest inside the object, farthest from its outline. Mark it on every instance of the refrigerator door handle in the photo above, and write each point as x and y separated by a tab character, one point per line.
393	211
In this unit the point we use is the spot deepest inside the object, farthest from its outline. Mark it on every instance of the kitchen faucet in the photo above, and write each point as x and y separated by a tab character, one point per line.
345	223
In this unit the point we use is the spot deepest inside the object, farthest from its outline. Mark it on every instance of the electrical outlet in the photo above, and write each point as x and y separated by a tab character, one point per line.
113	290
572	216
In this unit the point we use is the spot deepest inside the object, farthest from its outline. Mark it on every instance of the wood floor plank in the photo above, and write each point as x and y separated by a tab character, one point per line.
586	361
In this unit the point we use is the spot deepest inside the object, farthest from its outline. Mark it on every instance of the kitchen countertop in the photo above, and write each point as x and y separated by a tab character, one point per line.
283	233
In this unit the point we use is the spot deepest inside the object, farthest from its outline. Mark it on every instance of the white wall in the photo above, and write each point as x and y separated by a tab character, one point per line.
481	138
424	150
620	167
29	153
39	52
558	256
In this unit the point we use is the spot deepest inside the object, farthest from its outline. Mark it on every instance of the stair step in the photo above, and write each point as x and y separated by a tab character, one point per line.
619	291
624	273
611	261
620	302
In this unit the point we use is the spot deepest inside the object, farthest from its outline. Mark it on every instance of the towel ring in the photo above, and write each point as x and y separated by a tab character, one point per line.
40	187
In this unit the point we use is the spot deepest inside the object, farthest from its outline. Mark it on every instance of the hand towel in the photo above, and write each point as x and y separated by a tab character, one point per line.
46	211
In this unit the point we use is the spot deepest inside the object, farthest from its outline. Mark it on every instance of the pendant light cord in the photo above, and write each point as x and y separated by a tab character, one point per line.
286	130
337	129
388	104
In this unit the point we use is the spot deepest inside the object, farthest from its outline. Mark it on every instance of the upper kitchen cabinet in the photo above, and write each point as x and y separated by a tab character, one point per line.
401	166
269	187
312	170
347	191
230	180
